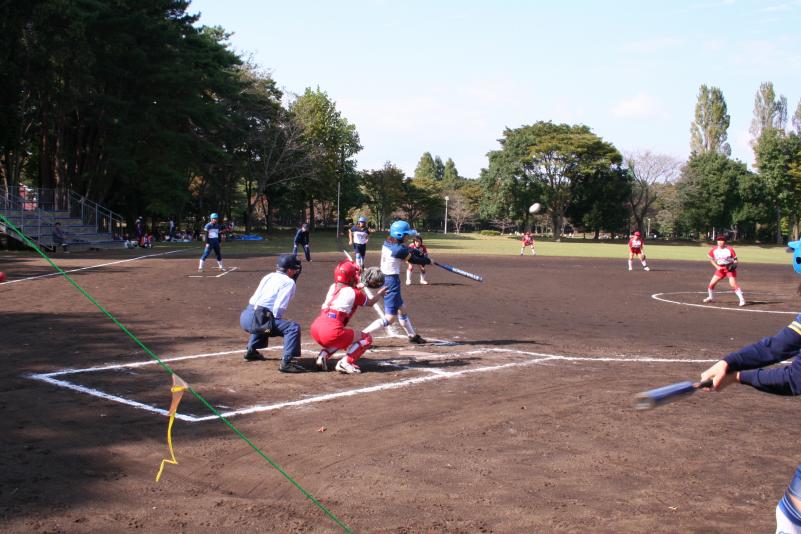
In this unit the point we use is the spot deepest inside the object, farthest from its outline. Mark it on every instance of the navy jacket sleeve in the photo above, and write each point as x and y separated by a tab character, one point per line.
783	380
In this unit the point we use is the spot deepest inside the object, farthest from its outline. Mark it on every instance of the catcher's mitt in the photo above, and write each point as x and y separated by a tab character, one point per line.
373	277
731	267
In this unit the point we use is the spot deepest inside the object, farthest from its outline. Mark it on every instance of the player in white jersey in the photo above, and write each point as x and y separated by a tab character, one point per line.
358	235
724	260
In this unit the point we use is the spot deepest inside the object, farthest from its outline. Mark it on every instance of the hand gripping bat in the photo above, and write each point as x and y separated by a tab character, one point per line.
659	396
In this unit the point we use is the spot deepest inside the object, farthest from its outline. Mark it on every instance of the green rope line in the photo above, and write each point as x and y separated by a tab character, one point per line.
169	370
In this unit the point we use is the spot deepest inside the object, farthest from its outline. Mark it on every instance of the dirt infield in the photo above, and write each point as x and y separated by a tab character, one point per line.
521	423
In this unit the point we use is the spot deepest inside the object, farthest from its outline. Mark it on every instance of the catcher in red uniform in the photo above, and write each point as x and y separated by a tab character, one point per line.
329	329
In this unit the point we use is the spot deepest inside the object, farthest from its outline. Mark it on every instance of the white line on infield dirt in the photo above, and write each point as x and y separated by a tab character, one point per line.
89	267
657	296
438	374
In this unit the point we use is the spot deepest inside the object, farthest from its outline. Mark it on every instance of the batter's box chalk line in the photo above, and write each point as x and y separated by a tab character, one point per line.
662	298
430	374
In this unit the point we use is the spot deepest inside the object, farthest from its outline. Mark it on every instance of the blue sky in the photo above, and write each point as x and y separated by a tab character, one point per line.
448	76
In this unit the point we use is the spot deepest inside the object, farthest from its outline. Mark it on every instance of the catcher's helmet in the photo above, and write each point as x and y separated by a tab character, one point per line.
400	229
214	216
362	219
346	272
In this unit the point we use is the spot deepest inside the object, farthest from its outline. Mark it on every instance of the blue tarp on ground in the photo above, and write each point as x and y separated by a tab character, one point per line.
250	237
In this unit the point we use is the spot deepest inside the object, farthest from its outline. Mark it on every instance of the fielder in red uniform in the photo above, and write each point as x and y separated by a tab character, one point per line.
724	260
635	249
341	302
528	241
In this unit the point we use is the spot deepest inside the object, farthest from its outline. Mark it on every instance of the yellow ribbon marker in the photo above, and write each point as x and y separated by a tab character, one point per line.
177	389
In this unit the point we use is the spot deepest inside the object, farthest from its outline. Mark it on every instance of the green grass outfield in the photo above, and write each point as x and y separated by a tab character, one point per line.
324	241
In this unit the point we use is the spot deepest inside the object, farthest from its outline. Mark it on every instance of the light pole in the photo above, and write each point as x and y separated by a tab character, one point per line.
648	231
446	213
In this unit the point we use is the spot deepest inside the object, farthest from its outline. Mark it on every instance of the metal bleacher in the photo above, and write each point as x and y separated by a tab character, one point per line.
35	212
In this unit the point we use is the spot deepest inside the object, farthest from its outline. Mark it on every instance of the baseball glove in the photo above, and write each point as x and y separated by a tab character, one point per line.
373	277
731	267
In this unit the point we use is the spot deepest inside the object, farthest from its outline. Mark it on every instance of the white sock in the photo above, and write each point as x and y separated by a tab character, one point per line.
629	265
200	265
220	264
406	323
739	293
711	292
408	277
375	325
644	264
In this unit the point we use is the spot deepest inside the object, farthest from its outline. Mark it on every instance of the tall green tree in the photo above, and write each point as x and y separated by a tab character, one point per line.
708	129
426	167
334	140
383	190
769	112
450	176
439	168
599	199
776	154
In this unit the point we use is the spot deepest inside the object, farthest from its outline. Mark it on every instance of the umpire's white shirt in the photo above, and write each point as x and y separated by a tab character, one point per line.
274	293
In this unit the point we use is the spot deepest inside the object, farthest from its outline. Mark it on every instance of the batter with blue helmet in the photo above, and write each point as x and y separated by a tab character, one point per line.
748	366
394	255
358	235
213	229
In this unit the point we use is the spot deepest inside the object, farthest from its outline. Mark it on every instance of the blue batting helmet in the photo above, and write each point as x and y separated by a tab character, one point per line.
362	219
795	248
400	229
214	216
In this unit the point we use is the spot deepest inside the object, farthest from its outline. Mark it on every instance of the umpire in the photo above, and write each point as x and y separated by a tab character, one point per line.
263	316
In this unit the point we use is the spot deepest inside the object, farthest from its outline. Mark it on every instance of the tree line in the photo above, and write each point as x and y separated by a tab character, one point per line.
137	106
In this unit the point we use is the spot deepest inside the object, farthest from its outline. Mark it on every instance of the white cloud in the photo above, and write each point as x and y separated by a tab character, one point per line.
641	106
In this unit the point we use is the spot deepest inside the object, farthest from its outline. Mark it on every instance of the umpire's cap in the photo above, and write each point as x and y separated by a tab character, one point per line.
287	261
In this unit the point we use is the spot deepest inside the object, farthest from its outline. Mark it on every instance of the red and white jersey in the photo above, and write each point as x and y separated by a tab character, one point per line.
527	240
635	243
344	300
421	248
723	256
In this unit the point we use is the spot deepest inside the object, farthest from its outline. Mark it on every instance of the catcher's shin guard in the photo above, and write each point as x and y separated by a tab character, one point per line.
356	350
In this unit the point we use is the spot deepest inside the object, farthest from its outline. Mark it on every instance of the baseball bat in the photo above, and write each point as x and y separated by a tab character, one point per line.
659	396
458	271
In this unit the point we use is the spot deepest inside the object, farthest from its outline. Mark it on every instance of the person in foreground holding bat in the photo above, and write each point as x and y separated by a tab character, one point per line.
747	366
343	299
724	260
393	255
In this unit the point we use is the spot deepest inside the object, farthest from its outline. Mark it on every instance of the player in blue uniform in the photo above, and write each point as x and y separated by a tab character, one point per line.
302	240
212	230
358	235
747	366
394	255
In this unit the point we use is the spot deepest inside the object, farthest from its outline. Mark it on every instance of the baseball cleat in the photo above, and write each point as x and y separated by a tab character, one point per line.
254	356
646	268
423	282
742	303
291	367
416	339
709	299
348	368
322	363
629	268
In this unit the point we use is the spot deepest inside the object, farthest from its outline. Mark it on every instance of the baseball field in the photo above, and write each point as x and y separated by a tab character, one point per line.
516	416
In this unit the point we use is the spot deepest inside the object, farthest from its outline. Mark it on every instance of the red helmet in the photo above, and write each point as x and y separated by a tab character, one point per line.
347	272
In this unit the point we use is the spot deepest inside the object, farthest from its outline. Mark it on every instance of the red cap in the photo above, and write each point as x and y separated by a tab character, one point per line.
720	237
637	234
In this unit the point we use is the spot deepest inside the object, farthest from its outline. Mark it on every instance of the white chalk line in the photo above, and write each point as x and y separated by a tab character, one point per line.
226	271
58	273
657	296
433	374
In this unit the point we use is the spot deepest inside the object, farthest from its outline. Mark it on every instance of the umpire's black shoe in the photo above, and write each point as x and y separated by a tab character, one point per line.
416	339
254	356
291	367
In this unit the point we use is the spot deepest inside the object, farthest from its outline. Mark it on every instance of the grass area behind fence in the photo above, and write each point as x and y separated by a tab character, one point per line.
324	241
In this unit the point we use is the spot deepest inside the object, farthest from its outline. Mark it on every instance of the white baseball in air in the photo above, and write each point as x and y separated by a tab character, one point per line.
534	208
